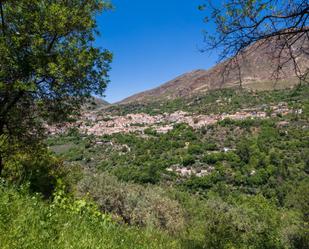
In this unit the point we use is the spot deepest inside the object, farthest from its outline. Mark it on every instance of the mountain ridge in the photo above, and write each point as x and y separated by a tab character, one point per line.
255	69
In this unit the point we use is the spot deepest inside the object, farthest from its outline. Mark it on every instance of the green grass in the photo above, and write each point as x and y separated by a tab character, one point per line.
28	222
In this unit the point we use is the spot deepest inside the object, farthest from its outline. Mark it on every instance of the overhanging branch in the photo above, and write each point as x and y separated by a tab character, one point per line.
2	18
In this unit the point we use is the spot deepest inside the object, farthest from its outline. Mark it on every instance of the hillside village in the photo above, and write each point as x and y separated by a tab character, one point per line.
98	123
212	154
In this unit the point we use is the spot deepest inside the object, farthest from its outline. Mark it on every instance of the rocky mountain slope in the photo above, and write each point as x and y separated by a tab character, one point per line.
255	69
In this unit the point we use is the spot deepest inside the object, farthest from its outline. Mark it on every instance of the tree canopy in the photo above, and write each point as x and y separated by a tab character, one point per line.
49	63
47	54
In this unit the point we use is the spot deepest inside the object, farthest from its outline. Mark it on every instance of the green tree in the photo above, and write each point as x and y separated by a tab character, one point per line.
49	64
248	222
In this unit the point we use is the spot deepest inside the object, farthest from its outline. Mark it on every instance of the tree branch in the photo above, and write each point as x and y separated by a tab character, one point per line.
52	43
2	18
8	106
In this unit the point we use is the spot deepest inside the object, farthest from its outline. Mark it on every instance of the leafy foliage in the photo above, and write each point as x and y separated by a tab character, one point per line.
134	204
48	63
28	222
251	191
32	163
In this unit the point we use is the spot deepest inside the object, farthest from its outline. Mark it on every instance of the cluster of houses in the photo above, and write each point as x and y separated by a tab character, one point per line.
96	124
190	171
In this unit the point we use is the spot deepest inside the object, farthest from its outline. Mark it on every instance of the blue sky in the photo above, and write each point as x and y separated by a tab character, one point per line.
152	42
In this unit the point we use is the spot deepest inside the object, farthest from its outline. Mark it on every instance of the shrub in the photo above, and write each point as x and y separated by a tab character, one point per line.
26	222
150	131
33	164
143	174
188	160
195	149
134	204
214	158
248	221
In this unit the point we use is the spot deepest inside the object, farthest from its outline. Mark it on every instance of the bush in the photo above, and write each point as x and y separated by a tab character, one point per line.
188	160
195	149
26	222
134	204
143	174
250	221
150	131
31	163
214	157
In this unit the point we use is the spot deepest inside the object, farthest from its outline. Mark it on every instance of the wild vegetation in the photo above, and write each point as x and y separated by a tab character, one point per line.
26	221
227	185
233	184
226	100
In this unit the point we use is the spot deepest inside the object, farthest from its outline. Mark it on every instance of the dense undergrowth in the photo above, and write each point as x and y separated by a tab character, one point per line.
26	221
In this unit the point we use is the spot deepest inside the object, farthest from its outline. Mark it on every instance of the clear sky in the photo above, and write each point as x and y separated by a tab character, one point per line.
153	41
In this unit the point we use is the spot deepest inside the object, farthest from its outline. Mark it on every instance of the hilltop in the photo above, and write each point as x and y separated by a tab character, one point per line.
255	70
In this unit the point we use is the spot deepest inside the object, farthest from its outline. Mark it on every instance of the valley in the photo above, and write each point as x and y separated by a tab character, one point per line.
174	148
210	152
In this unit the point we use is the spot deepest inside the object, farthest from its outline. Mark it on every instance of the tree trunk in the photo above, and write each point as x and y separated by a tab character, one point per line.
1	157
2	18
1	164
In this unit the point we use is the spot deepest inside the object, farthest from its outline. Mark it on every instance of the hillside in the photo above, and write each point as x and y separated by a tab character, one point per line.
257	66
214	159
197	172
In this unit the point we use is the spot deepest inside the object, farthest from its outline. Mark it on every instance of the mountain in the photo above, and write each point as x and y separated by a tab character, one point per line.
255	69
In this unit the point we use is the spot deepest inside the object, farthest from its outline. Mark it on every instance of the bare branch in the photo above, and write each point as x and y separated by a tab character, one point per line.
2	18
244	25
